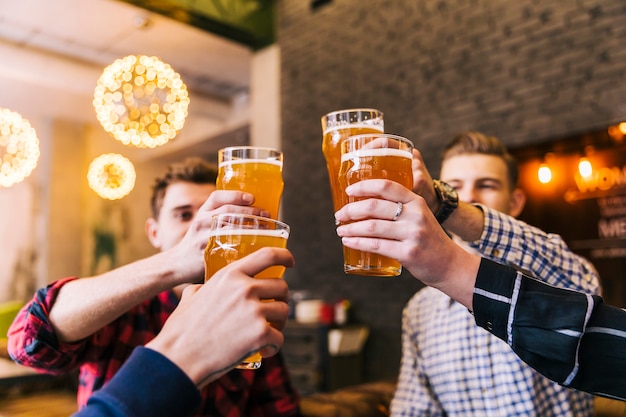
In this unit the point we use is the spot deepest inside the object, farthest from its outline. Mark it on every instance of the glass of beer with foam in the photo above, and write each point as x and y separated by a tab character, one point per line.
373	156
255	170
339	125
235	235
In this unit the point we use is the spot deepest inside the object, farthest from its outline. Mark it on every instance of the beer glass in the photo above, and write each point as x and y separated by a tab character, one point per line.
373	156
234	236
255	170
338	126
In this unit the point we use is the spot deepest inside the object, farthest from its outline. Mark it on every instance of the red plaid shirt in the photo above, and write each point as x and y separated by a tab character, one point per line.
33	342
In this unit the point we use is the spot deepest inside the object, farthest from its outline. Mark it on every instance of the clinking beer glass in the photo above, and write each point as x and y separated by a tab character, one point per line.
373	156
255	170
338	126
232	237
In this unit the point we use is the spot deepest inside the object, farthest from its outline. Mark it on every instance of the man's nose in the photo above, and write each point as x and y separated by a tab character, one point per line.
467	194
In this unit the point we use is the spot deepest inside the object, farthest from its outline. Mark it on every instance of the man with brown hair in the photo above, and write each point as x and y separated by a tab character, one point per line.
449	365
95	323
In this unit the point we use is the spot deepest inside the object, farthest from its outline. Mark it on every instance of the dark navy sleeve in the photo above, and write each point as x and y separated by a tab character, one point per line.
571	337
147	385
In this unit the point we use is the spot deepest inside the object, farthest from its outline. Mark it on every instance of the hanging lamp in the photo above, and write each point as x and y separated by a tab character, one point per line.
141	101
111	176
19	148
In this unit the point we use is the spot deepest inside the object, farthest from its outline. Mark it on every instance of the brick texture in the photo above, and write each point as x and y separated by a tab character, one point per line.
523	70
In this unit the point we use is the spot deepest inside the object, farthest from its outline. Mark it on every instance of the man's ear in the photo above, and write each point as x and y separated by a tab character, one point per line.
152	231
518	200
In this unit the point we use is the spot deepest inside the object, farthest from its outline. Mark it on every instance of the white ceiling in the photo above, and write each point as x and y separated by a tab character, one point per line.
53	51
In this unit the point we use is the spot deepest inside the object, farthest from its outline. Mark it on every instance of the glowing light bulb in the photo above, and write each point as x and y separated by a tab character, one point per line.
544	174
584	168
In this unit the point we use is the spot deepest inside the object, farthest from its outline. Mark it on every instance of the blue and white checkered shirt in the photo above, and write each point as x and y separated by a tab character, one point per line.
451	367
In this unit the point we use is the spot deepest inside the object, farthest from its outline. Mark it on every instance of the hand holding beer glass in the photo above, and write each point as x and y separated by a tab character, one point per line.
373	156
235	235
255	170
338	126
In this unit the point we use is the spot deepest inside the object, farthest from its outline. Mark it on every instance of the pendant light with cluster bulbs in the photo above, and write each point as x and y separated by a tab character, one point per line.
111	176
19	148
141	101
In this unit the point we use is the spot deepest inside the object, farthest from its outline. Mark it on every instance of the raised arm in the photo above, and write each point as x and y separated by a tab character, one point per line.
85	305
414	238
571	337
197	343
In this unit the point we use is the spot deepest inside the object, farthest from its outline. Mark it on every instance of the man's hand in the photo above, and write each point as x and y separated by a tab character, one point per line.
415	238
188	256
218	324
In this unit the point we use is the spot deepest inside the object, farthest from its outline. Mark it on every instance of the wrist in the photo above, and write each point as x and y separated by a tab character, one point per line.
175	268
447	200
436	206
461	278
179	356
467	223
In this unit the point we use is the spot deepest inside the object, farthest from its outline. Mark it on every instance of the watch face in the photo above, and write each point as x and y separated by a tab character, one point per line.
447	192
453	194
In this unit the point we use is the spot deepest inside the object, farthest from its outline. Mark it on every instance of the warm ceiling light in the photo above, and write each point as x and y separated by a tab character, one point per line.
141	101
544	174
111	176
19	148
584	168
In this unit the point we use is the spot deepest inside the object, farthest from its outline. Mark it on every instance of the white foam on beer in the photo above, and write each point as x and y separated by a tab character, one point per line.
228	231
362	125
251	161
365	153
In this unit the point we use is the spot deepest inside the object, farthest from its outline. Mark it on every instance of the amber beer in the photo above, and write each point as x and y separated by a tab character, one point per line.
338	126
373	156
255	170
233	236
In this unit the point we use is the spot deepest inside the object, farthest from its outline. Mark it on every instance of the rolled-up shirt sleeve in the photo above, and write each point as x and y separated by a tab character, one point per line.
571	337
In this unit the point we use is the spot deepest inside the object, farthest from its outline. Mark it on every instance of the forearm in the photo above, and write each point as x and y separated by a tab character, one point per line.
509	241
568	336
85	305
457	275
466	222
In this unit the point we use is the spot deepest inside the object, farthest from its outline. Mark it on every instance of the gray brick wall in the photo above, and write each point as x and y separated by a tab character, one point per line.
523	70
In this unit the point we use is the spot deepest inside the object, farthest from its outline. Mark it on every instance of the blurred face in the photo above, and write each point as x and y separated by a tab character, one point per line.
180	205
480	178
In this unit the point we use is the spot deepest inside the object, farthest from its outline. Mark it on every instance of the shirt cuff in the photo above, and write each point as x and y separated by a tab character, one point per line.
149	384
541	323
492	297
